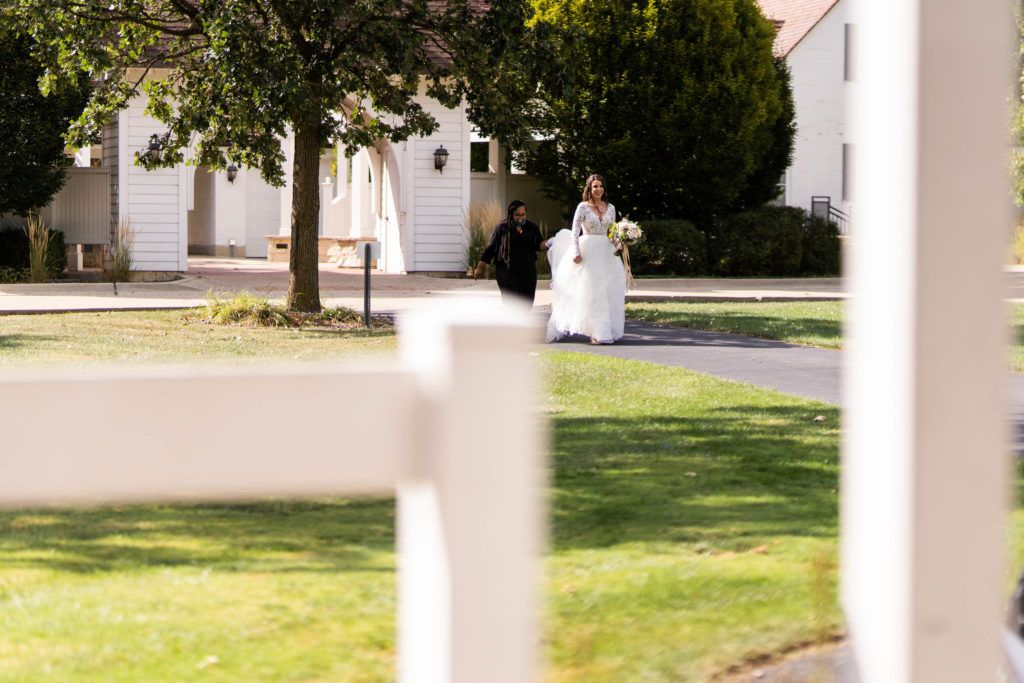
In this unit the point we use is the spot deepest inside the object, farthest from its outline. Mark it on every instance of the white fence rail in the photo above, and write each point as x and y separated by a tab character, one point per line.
463	455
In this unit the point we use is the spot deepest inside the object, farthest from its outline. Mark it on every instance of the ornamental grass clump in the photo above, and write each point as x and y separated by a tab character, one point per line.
121	264
246	309
477	223
38	248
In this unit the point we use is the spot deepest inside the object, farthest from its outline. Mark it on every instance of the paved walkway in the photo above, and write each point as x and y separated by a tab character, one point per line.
344	287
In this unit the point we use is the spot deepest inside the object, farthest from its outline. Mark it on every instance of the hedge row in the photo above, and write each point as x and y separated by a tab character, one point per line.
772	241
15	256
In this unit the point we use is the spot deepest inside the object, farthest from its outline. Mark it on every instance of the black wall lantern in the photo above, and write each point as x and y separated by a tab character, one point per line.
153	151
232	173
440	158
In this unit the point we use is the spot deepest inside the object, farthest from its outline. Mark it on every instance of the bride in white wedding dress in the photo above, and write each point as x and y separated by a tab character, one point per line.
588	280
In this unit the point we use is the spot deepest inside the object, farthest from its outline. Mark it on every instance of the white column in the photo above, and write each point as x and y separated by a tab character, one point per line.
470	526
924	452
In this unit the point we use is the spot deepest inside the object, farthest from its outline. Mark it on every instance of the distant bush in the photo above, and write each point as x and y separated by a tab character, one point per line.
15	255
767	241
821	247
669	247
770	241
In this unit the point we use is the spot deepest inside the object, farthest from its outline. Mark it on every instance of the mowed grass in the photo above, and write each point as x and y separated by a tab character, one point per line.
693	527
812	323
694	521
90	339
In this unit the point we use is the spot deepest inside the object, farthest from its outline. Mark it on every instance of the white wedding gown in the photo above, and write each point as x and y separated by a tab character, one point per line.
589	297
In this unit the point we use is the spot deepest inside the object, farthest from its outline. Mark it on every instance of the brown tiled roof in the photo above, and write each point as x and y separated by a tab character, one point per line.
794	19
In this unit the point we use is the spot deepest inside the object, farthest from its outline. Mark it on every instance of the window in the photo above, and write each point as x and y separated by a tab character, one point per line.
479	157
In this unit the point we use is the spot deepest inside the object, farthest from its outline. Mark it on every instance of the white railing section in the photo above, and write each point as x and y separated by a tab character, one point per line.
451	428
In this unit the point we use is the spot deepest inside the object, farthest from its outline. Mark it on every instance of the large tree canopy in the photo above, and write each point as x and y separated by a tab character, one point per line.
32	127
680	104
244	73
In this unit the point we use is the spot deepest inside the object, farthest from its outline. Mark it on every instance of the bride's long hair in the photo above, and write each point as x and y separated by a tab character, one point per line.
589	186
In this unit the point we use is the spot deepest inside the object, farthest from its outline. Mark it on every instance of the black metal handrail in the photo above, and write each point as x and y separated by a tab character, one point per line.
841	220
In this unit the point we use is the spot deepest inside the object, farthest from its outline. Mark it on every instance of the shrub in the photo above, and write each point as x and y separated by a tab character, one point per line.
821	247
9	276
767	241
15	254
669	247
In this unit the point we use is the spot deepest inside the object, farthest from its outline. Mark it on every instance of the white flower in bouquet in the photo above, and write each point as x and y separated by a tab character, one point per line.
626	232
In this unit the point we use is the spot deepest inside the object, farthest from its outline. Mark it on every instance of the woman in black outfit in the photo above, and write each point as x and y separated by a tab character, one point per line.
514	245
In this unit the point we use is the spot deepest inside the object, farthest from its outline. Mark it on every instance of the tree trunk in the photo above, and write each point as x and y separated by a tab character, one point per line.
303	268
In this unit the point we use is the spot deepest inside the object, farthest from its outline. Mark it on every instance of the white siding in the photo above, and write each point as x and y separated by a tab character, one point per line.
110	162
440	198
819	94
152	199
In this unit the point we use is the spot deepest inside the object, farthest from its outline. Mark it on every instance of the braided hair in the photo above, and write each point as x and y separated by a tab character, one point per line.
505	251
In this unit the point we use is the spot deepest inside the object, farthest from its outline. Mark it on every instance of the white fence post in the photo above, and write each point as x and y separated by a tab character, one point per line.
470	523
925	461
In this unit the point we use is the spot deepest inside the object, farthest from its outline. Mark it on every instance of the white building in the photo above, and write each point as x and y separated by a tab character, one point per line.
815	38
391	193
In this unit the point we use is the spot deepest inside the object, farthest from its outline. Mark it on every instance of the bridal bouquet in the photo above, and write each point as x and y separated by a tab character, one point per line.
625	232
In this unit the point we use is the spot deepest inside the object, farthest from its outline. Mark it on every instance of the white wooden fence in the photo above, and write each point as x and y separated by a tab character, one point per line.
452	428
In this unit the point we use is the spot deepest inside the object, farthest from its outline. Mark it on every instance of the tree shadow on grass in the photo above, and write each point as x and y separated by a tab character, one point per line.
278	536
720	481
19	340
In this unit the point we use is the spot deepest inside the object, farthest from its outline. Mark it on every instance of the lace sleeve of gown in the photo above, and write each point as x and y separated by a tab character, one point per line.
577	227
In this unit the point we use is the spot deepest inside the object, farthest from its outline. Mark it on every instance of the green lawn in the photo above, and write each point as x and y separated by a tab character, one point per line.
813	323
693	526
89	339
